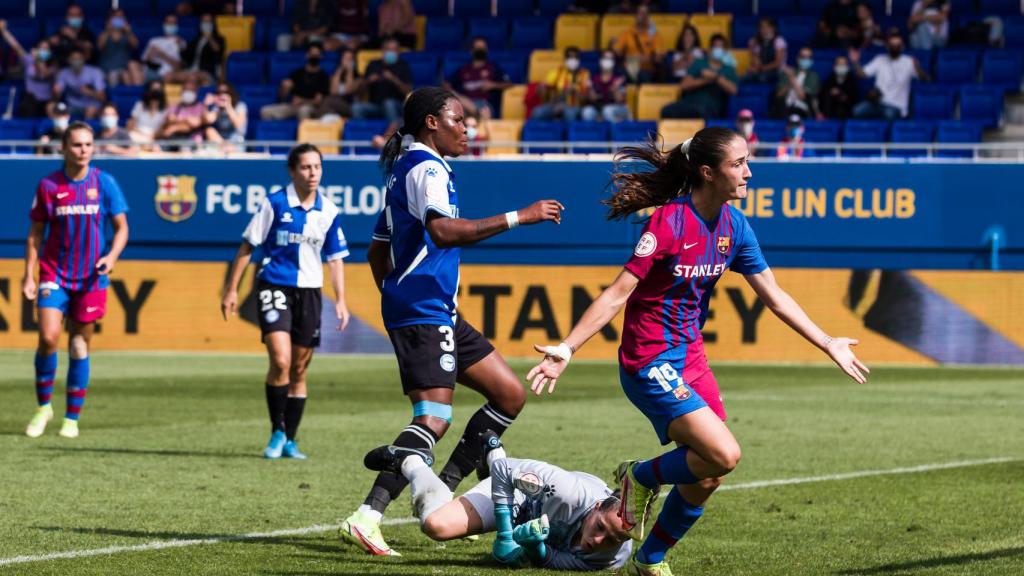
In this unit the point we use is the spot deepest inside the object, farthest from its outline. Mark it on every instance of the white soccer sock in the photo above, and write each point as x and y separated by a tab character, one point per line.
493	455
428	491
370	512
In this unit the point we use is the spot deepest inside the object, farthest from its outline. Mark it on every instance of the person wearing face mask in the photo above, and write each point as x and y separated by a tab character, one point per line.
112	139
476	132
797	90
640	47
792	145
479	81
745	126
203	55
148	115
707	86
397	19
839	93
607	92
116	44
55	133
893	73
388	81
302	91
39	74
74	34
565	90
163	53
81	86
185	120
767	53
226	117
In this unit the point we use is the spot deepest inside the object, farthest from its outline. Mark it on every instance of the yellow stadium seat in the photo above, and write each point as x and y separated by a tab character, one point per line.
710	24
674	132
513	105
364	57
542	62
237	32
173	93
421	32
612	26
316	131
579	30
652	98
742	60
669	27
505	131
631	99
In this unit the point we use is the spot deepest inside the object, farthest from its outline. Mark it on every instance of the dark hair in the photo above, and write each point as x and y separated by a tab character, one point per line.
231	91
295	153
613	500
696	36
718	36
771	22
674	172
76	125
571	50
422	102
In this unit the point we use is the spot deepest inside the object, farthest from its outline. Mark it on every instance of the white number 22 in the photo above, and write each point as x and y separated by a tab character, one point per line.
270	299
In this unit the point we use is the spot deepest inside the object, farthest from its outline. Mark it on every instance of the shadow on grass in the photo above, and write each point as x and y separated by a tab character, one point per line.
937	562
140	452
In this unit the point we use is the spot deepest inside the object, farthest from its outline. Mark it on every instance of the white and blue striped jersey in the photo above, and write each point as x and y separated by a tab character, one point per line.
424	279
296	241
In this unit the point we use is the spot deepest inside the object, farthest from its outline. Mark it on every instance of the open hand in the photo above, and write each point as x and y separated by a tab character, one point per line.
839	350
545	373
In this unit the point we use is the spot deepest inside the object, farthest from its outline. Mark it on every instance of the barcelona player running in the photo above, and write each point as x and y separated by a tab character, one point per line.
690	240
67	240
414	258
297	228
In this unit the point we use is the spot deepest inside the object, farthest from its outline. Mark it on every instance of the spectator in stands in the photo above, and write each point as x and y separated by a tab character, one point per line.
40	73
893	73
565	90
839	94
226	117
185	120
388	81
928	25
477	132
80	85
345	85
351	25
55	133
302	91
112	139
163	53
870	30
312	21
640	47
706	88
608	92
148	114
619	7
745	126
767	53
722	43
201	60
687	52
839	25
797	89
792	145
116	45
73	34
397	19
478	81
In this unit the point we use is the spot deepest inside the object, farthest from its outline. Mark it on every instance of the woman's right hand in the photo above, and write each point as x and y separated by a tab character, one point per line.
540	211
547	372
229	304
29	288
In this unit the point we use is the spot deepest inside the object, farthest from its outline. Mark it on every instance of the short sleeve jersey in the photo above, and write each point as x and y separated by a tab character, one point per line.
76	212
295	240
679	259
422	285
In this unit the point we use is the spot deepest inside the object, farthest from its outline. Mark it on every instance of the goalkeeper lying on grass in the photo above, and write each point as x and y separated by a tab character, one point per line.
544	516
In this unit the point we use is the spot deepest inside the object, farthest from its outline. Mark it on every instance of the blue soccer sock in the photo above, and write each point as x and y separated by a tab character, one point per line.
677	516
46	372
78	383
669	468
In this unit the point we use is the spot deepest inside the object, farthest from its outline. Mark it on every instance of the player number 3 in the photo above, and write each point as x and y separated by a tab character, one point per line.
448	344
272	299
665	375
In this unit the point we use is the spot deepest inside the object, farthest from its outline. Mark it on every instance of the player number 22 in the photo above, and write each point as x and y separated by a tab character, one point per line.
665	375
272	299
448	344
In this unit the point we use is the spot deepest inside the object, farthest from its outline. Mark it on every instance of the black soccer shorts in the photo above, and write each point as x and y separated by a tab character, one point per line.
290	309
432	356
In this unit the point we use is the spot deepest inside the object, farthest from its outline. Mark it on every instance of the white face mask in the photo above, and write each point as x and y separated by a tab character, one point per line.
607	64
60	123
188	97
841	71
108	122
747	128
471	132
573	64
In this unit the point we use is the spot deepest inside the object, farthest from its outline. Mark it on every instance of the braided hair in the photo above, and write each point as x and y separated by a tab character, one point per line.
421	103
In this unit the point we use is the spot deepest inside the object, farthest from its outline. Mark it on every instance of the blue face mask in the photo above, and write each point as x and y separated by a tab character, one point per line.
117	22
43	55
796	132
170	29
390	57
75	22
718	53
108	122
805	63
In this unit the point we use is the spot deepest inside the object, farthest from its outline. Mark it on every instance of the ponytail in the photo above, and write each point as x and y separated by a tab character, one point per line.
420	104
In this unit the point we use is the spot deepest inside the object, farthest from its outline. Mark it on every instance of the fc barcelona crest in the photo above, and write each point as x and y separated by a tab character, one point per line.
176	198
723	245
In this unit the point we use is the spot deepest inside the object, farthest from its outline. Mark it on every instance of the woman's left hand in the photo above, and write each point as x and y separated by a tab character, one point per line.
839	349
341	311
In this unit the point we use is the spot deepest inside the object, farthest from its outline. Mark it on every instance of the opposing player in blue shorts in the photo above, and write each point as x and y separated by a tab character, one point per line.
414	257
297	228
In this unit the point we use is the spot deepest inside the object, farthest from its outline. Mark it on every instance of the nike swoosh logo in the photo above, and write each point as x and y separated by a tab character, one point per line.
688	246
91	309
64	195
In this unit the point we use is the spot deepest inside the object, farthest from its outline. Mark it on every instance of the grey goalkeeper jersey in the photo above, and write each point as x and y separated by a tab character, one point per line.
534	488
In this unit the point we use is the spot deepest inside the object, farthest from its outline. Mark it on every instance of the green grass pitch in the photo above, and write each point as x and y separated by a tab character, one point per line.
170	450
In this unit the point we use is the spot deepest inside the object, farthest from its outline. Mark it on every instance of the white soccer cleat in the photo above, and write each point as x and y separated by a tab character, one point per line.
364	532
37	425
69	429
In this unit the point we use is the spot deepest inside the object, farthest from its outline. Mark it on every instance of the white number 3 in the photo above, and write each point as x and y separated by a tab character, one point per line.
448	345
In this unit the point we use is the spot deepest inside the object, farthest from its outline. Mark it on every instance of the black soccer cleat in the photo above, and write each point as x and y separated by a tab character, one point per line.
489	440
390	458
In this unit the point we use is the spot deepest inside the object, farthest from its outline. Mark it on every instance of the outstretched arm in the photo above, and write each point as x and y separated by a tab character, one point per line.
447	232
786	308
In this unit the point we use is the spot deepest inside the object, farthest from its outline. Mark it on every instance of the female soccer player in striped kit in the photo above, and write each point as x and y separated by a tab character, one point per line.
414	257
690	240
297	228
75	203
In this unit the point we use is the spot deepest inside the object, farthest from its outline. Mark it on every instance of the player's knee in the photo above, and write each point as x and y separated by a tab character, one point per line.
726	457
280	363
298	371
434	528
78	347
48	343
511	400
710	484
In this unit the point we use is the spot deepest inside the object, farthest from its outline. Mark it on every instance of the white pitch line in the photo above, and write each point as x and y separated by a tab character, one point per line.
318	528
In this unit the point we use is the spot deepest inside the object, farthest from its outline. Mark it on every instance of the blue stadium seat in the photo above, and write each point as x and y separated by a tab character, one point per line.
770	131
356	129
51	9
932	102
471	8
531	34
91	7
752	96
18	129
282	64
145	29
735	7
428	8
1013	32
720	123
983	104
953	132
423	66
1002	68
246	67
256	96
514	8
823	131
956	67
684	6
824	60
798	31
543	131
14	9
591	60
136	8
775	7
494	30
513	63
864	131
276	130
814	7
1000	7
588	132
124	98
261	7
911	132
26	30
454	60
926	58
552	7
743	29
164	7
633	131
268	28
445	34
